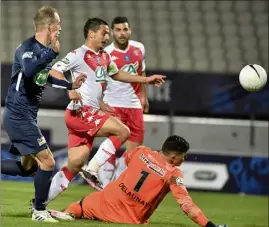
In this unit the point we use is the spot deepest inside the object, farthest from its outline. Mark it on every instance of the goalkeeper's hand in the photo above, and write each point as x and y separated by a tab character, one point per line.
210	224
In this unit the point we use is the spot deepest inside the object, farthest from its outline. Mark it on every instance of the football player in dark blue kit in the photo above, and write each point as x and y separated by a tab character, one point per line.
30	74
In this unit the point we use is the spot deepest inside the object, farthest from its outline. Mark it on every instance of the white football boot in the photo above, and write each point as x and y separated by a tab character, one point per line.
42	216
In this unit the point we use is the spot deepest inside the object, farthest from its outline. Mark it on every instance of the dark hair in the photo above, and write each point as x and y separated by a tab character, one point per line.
119	20
93	24
175	143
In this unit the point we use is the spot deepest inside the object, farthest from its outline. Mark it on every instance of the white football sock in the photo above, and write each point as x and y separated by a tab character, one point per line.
59	184
105	151
120	167
105	173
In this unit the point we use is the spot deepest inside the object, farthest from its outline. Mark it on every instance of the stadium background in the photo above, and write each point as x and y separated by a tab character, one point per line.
201	46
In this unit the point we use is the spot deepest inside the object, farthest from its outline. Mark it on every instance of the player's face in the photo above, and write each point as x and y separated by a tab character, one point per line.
55	26
121	33
101	36
178	158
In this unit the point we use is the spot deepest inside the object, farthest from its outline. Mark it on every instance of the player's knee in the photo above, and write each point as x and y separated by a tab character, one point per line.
50	163
124	132
47	163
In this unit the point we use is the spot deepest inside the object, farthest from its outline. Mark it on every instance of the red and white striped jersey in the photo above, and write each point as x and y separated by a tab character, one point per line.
97	65
131	60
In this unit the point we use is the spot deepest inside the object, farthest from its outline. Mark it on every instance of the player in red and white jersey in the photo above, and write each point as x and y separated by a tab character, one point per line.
128	100
87	121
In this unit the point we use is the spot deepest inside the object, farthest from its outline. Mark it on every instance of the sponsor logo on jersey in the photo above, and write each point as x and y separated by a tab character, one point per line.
65	61
27	55
130	68
41	141
100	74
152	166
41	78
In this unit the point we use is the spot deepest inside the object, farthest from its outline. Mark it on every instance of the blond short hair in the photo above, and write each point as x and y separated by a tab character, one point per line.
43	16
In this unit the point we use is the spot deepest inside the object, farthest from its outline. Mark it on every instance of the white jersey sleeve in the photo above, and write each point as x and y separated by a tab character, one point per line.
70	62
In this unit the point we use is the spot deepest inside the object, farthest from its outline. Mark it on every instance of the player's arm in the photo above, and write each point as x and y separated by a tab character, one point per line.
57	78
128	78
65	84
123	76
185	202
69	63
143	88
31	65
144	96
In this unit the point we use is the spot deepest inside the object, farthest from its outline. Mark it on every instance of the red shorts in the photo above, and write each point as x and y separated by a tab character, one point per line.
83	125
133	119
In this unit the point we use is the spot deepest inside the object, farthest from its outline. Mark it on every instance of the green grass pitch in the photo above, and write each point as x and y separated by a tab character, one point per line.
234	210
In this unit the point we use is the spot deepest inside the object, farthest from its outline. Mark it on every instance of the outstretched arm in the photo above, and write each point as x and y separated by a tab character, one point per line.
186	204
144	96
128	78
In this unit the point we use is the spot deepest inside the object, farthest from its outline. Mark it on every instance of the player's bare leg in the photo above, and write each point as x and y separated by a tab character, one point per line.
117	134
42	184
61	180
27	163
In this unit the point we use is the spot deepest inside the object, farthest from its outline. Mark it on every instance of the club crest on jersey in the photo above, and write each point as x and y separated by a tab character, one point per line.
98	60
127	58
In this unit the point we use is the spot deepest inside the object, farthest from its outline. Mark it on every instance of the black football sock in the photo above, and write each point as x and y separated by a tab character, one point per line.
13	167
42	186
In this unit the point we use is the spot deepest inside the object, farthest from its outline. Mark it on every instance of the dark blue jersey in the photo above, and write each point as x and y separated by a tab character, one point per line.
29	77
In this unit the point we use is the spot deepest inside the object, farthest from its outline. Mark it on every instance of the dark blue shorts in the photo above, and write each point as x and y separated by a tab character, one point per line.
24	134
